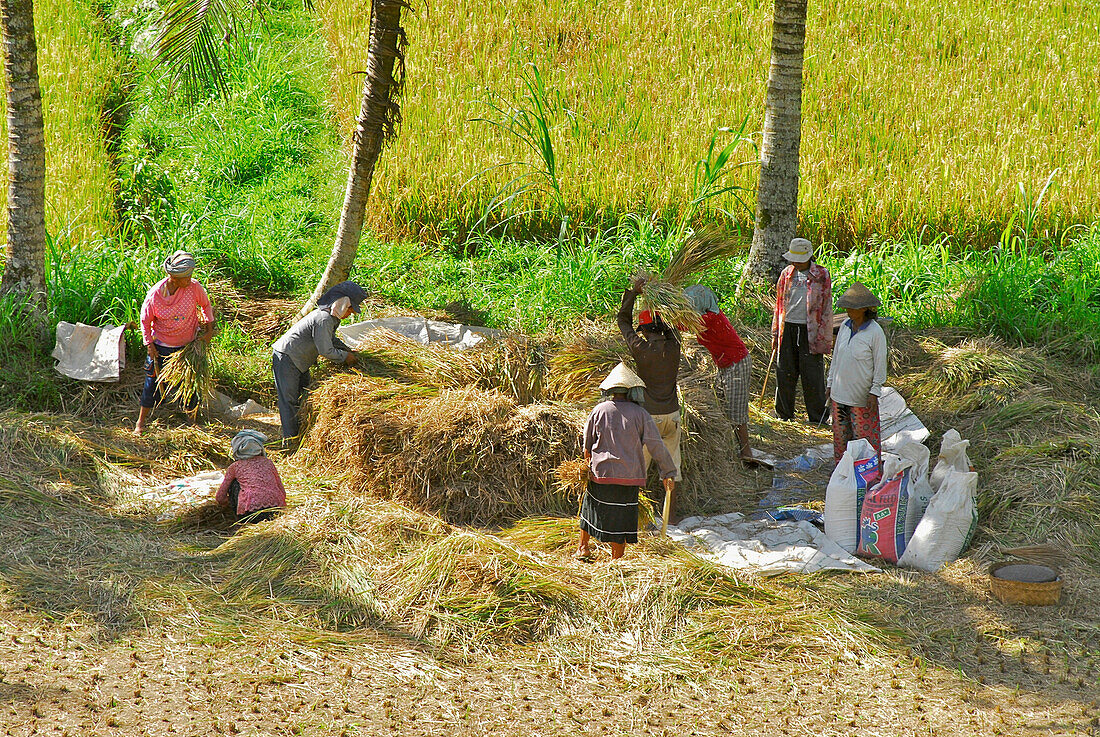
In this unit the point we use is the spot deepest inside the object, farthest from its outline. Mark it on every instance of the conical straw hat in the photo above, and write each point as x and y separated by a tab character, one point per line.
621	377
857	297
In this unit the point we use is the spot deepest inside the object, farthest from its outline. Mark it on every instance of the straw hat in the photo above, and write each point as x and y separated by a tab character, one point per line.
857	297
800	251
623	378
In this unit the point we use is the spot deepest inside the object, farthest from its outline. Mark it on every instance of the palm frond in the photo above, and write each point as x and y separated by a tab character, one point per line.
190	40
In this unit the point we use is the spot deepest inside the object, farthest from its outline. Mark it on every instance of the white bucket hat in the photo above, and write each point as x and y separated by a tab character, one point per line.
800	251
623	378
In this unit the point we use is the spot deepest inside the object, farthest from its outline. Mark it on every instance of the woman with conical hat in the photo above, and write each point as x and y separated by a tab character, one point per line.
614	437
858	370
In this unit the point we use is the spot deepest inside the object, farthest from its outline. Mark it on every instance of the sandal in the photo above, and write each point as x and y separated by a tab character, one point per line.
585	556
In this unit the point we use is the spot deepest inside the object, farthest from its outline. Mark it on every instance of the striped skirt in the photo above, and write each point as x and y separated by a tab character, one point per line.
609	512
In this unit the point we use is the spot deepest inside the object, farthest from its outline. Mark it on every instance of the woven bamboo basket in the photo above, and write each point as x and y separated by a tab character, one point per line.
1029	592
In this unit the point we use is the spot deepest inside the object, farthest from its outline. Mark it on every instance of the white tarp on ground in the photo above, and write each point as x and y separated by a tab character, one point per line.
421	330
90	353
765	547
226	407
177	496
898	424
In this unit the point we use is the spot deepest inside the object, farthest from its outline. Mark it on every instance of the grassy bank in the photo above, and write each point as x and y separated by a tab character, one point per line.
914	113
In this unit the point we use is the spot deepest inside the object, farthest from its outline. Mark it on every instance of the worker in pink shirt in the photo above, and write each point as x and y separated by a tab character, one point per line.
175	312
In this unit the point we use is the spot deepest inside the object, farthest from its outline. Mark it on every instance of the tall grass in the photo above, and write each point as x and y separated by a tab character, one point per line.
914	113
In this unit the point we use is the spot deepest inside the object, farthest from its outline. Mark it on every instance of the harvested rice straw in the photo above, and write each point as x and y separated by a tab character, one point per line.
706	245
186	377
572	476
576	370
667	299
664	293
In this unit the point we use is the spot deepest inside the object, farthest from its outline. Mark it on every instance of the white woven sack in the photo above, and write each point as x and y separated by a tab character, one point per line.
920	490
842	496
952	456
947	525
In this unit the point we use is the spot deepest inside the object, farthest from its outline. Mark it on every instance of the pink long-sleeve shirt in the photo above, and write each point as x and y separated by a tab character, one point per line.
261	487
173	319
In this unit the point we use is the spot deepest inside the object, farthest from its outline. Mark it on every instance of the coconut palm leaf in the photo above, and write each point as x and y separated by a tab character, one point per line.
190	40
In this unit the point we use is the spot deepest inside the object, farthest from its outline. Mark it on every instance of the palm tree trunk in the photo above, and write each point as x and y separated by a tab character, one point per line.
777	190
379	116
25	268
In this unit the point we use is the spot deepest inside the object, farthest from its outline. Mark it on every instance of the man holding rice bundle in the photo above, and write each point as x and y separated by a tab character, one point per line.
616	436
655	347
176	311
298	349
732	359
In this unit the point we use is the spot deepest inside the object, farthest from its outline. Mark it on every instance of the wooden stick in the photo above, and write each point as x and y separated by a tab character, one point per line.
767	374
667	509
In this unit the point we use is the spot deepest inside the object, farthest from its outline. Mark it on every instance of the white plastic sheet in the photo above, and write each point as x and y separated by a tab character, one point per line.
90	353
898	424
421	330
765	547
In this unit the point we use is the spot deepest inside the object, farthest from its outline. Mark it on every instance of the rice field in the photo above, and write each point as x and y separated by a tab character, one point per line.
79	73
914	113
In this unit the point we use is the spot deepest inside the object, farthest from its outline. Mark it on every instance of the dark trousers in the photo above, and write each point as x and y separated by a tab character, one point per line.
796	362
151	395
290	388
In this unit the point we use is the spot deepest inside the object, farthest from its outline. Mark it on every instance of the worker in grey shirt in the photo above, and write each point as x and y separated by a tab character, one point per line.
312	336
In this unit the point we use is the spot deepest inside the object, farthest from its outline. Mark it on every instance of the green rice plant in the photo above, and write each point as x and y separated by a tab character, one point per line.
529	122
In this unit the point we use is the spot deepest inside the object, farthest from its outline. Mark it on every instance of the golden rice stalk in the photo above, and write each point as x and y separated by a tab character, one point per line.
186	377
706	245
668	300
572	476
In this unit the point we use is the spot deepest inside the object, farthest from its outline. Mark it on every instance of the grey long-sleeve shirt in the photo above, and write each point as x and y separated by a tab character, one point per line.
312	336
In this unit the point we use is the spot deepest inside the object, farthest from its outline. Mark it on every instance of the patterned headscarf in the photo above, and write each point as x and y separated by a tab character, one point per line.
247	444
702	299
180	263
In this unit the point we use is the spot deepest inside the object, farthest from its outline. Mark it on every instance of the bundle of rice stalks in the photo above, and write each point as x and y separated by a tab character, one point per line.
577	368
471	456
514	365
572	476
704	247
664	294
475	590
667	299
187	377
387	353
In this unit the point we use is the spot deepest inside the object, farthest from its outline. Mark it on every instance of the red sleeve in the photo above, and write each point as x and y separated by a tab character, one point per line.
222	497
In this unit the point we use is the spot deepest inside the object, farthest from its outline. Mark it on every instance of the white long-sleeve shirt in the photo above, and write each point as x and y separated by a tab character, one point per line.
859	364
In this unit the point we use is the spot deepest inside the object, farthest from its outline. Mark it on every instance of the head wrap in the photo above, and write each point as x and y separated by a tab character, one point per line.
339	308
180	263
355	294
702	299
247	444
